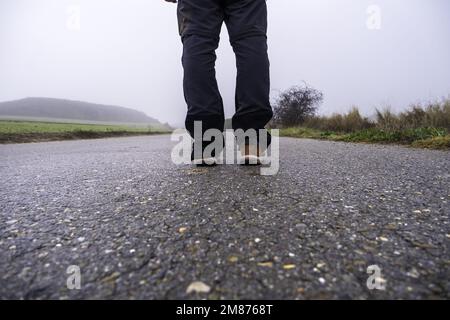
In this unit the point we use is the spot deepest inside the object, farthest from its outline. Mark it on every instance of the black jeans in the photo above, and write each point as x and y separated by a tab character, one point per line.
200	22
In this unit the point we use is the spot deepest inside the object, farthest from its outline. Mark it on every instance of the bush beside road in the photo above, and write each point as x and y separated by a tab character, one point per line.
418	126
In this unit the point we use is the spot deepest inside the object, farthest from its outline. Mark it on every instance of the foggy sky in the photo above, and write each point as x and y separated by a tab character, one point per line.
128	53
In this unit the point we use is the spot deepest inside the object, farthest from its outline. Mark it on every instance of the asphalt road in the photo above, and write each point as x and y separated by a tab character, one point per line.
139	226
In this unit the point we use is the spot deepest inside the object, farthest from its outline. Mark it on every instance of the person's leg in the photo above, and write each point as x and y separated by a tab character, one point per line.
200	23
246	21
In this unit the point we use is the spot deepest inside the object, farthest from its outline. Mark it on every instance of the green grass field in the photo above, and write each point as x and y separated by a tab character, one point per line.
431	138
32	131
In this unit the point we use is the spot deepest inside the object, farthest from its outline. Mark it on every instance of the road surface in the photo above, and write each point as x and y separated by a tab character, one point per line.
139	226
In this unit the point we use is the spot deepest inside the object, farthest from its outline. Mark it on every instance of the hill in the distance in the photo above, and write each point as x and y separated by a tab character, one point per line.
72	110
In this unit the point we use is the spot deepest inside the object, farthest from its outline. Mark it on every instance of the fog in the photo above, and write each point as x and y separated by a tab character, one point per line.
357	52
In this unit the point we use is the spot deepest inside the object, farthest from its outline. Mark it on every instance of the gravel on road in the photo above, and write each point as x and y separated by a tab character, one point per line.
140	227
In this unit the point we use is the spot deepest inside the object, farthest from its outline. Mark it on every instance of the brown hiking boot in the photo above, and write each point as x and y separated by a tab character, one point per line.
250	155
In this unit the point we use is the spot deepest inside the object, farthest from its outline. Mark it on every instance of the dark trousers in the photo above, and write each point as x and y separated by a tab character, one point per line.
200	22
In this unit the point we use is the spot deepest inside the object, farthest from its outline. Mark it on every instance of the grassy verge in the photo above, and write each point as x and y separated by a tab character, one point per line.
33	131
431	138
